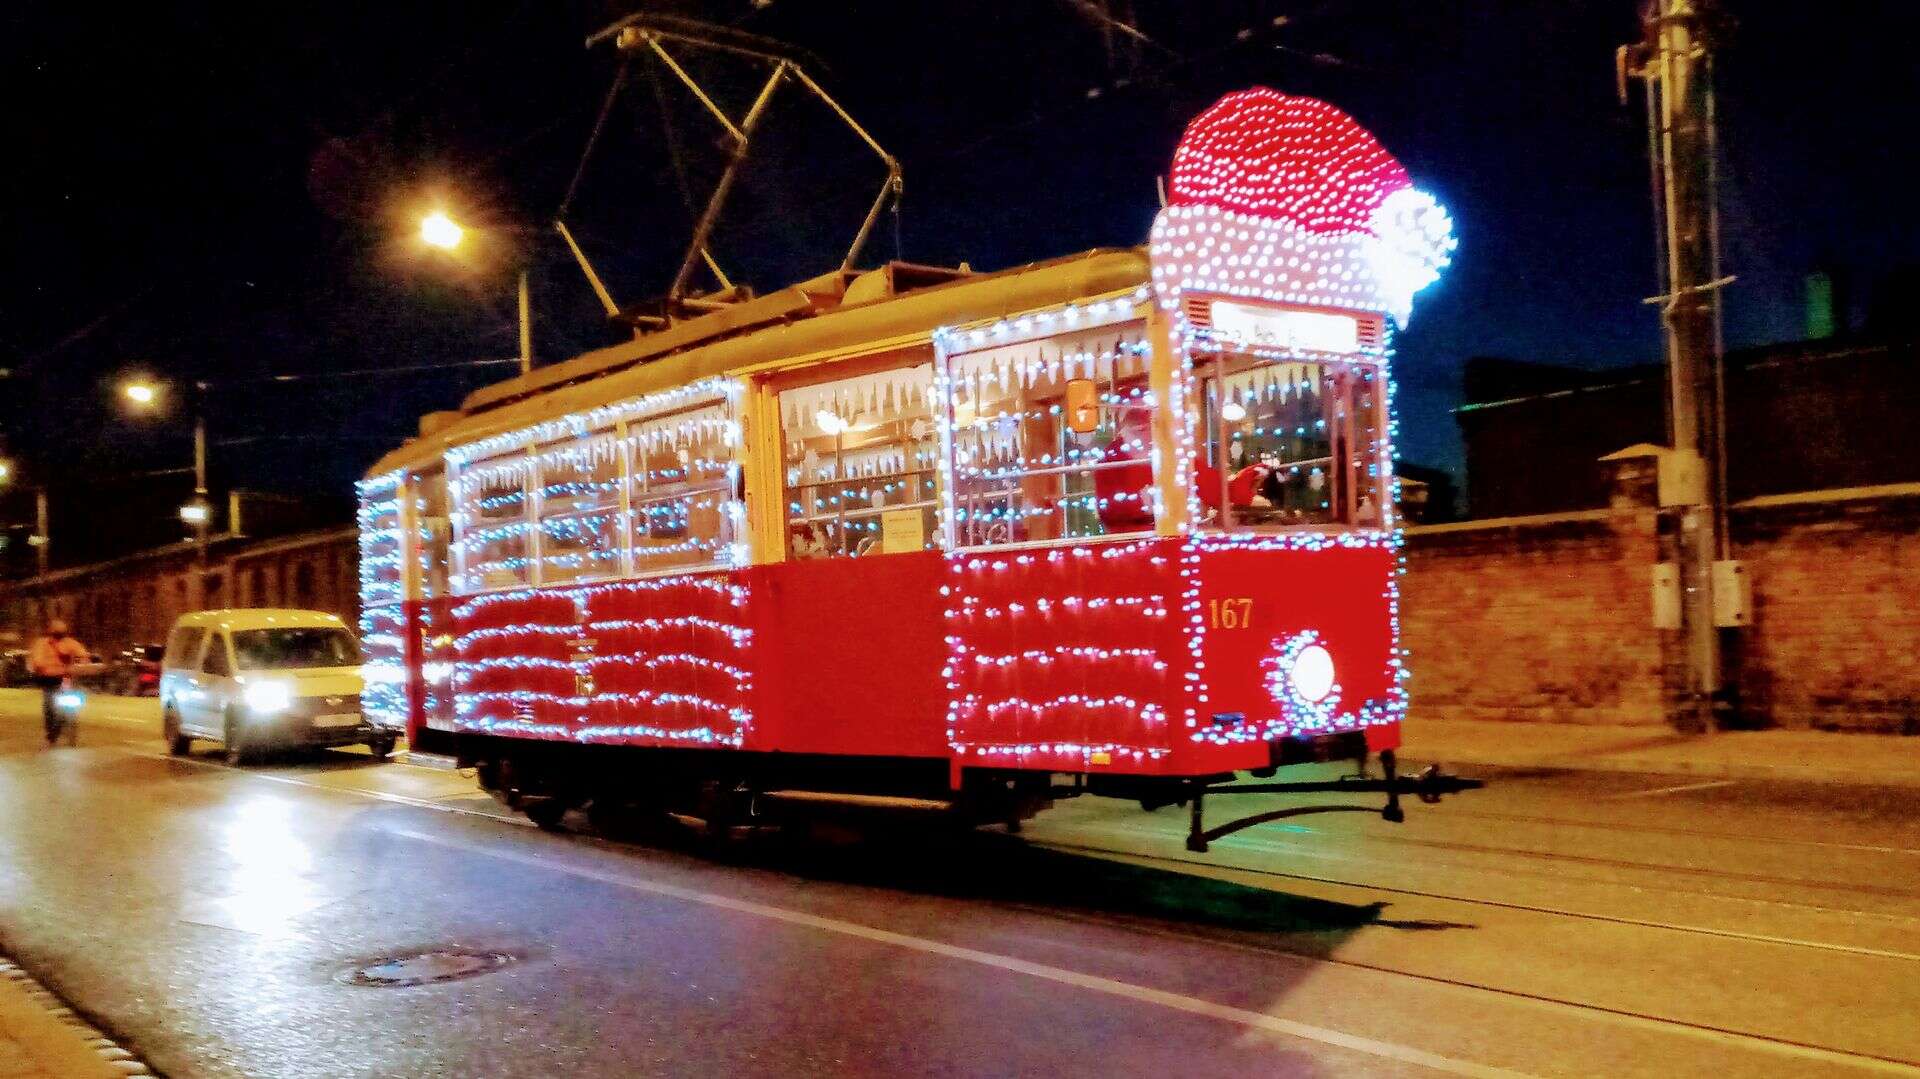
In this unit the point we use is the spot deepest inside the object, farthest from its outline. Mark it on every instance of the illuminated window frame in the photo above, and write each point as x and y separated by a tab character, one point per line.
617	418
1108	309
892	371
1364	363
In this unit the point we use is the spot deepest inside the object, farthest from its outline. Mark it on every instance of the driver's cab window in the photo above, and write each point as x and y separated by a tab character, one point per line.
860	462
1290	443
216	662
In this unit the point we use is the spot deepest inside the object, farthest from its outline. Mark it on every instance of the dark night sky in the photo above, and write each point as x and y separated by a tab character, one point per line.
212	191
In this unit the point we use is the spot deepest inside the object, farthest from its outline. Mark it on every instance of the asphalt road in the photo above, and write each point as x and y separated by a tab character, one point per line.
1554	924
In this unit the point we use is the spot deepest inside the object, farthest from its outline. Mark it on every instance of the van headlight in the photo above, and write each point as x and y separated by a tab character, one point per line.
266	698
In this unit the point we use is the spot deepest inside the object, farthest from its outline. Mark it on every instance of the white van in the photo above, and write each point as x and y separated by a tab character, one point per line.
259	679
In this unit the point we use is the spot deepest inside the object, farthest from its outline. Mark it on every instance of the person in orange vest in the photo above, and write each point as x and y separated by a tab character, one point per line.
50	661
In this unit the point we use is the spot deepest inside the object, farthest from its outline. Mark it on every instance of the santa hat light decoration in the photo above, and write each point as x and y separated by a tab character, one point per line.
1289	198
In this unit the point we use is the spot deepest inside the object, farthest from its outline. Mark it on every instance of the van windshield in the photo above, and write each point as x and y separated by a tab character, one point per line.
292	648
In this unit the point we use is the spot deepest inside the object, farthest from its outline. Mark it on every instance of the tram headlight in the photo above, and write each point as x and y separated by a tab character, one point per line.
1313	674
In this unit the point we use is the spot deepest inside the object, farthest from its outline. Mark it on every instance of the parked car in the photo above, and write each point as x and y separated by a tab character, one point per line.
260	679
136	671
13	667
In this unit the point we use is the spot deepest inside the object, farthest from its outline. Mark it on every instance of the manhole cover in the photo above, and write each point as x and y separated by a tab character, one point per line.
425	968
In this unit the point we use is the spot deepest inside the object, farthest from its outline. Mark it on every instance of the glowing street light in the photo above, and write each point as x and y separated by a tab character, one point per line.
6	472
146	394
140	391
439	230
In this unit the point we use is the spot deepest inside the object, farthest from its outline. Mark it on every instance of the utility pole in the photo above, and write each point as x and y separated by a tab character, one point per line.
41	540
526	327
203	515
1675	62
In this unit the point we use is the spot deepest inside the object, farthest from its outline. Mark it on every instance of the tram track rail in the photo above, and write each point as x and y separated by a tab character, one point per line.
1707	872
1873	1062
1652	867
1501	904
1695	833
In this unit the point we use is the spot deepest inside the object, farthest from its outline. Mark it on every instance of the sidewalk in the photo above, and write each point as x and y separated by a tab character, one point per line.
41	1038
1805	756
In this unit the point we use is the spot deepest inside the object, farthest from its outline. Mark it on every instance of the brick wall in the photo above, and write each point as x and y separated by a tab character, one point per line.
1541	619
1836	637
1535	619
1549	618
134	600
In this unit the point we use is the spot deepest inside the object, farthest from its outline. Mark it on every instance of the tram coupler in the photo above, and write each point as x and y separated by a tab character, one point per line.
1429	786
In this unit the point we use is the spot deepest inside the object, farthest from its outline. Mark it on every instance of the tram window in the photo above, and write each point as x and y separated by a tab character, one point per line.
380	548
579	500
1302	443
680	486
1022	472
493	532
861	459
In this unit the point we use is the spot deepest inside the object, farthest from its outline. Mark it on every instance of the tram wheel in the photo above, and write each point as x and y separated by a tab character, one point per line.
546	813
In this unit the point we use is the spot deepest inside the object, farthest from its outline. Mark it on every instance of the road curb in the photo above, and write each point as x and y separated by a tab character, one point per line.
54	1036
437	761
1697	769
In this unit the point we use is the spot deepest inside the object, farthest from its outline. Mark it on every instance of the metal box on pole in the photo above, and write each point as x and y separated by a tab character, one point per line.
1732	594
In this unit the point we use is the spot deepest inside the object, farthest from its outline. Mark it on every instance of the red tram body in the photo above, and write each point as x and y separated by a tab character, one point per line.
938	537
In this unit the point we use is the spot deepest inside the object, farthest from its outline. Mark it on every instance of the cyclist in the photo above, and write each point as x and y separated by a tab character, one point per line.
51	661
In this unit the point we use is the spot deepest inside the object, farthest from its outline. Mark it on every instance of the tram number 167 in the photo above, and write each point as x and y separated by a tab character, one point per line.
1235	613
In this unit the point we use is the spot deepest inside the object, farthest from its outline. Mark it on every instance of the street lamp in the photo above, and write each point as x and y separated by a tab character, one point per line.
37	541
437	230
145	394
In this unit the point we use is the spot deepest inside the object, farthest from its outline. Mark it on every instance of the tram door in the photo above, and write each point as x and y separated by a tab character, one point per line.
433	610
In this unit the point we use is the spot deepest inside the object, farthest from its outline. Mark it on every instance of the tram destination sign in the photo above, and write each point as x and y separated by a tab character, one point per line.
1285	327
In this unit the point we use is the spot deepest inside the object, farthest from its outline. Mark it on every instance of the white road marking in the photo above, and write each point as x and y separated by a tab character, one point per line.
1671	790
1091	982
378	796
1181	1002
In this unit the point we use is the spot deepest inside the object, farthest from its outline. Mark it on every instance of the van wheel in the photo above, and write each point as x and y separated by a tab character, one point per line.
239	753
178	743
380	748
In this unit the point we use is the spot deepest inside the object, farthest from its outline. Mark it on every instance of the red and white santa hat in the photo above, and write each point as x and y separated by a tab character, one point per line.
1273	194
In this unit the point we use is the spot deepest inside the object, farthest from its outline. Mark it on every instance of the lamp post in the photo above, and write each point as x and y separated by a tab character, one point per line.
39	539
146	395
439	231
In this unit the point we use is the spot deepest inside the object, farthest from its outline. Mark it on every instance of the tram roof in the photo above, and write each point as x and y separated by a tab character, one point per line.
808	335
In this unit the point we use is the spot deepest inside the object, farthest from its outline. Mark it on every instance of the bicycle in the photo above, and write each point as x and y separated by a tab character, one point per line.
63	717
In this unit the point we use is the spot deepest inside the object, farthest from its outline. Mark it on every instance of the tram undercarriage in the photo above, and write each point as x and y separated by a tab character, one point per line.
720	791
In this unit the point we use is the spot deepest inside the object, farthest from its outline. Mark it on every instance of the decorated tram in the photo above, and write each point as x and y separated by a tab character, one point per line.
1121	523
